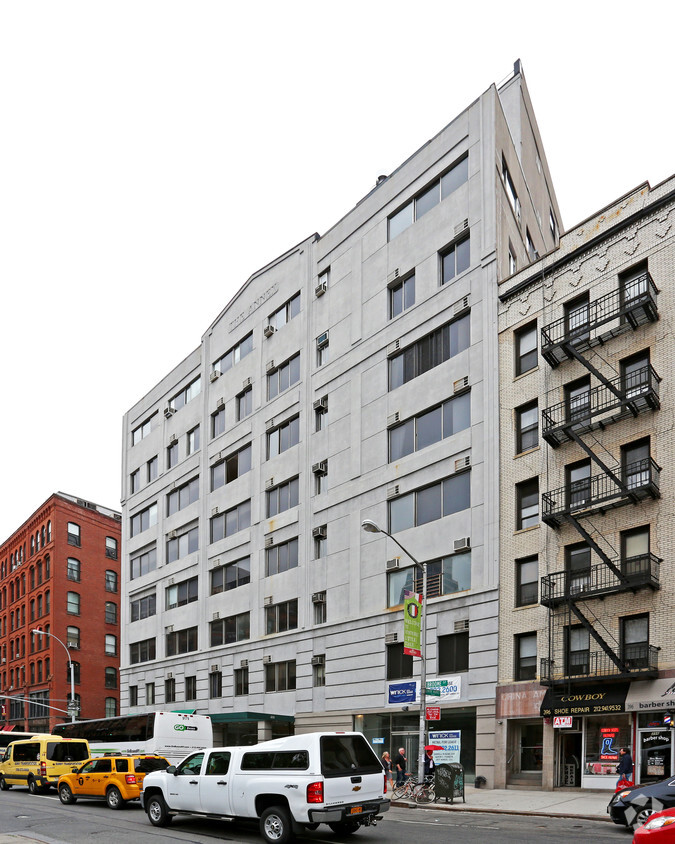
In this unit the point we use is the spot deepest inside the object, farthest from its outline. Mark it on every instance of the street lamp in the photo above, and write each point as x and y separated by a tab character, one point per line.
72	706
370	527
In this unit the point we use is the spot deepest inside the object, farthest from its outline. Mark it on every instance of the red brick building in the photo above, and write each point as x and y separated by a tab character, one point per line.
60	573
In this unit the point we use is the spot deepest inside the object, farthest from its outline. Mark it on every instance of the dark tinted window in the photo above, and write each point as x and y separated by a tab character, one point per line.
122	766
347	755
67	751
279	760
145	766
26	752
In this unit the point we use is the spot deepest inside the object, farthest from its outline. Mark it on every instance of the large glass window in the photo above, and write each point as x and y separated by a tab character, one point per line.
144	607
281	617
283	437
430	427
401	296
231	521
142	564
281	557
191	391
183	496
285	313
455	260
283	497
181	546
144	519
283	376
430	503
181	641
231	576
234	355
399	665
453	653
430	351
444	577
280	676
527	427
231	468
236	628
185	592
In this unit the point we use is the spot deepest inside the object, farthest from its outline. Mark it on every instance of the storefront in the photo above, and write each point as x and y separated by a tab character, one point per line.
653	706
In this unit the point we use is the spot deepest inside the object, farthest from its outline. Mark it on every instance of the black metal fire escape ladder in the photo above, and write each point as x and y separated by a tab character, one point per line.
616	659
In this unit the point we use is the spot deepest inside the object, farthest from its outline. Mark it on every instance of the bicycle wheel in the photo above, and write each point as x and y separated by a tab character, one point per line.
425	794
399	790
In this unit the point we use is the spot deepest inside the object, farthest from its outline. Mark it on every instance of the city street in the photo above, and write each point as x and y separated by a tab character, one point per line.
43	818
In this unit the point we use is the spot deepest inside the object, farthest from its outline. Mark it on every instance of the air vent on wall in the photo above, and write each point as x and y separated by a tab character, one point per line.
460	384
220	403
268	601
215	668
169	411
215	616
173	534
393	419
247	383
169	675
173	439
214	511
243	663
169	628
461	227
269	425
462	305
463	544
267	659
269	541
392	491
214	376
462	463
390	638
394	347
394	563
269	483
269	366
393	275
462	626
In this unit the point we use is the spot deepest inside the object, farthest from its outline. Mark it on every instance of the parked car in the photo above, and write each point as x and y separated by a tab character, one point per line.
659	829
633	806
115	779
38	763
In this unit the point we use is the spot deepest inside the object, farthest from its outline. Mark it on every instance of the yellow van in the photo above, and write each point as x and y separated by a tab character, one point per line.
39	762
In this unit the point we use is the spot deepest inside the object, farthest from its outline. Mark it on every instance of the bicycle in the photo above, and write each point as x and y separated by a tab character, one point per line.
412	789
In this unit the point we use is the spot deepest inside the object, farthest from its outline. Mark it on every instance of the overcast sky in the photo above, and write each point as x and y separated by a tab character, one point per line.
153	155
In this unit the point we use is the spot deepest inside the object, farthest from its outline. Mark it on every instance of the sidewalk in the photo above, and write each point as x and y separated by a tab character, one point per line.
591	805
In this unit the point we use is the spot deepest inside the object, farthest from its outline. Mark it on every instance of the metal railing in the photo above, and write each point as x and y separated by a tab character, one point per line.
600	580
640	660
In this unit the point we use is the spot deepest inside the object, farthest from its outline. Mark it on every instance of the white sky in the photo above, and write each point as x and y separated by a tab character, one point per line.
155	154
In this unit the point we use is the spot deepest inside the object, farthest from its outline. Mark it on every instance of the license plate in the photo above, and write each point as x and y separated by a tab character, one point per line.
356	810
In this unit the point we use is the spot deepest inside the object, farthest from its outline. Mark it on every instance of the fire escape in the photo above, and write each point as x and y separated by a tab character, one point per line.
580	646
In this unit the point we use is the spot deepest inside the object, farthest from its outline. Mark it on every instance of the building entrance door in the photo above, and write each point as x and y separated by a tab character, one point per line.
410	742
655	754
569	759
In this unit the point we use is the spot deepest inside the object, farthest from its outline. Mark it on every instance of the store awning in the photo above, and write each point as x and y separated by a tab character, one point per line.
651	694
230	717
585	699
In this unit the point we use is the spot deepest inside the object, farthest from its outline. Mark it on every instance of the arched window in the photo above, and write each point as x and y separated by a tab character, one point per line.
76	672
32	673
37	540
32	545
111	678
111	581
73	569
39	573
47	570
110	612
73	637
39	671
39	606
49	531
32	610
42	536
32	577
73	603
110	707
47	601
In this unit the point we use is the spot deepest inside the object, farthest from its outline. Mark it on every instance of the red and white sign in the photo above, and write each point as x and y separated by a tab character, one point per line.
433	713
562	721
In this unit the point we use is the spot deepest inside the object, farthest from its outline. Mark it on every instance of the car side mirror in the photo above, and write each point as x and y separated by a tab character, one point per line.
171	770
73	770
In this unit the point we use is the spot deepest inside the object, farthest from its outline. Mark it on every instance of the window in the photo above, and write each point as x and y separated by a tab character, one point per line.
231	468
635	374
110	644
235	628
527	427
111	548
634	632
319	672
322	348
181	546
142	651
73	534
552	225
283	497
578	483
633	285
234	355
143	564
430	427
513	262
577	650
73	569
135	481
231	521
324	279
218	422
72	604
430	503
141	432
153	468
455	260
191	688
527	504
320	611
399	665
231	576
453	653
281	617
110	612
429	197
280	676
73	637
111	678
76	672
320	542
285	313
526	656
429	352
526	348
320	477
144	607
241	681
180	594
636	464
182	497
181	641
578	567
144	519
186	395
215	684
192	440
577	317
244	403
444	577
531	248
281	557
170	690
133	695
110	707
284	437
283	376
510	189
527	581
149	694
635	551
578	399
401	296
172	455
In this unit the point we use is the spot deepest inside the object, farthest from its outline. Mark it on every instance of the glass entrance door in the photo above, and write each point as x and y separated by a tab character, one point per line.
655	753
410	742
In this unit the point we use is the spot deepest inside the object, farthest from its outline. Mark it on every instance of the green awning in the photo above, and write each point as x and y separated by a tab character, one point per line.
230	717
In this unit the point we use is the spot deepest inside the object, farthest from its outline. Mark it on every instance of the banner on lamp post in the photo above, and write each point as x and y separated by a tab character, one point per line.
412	619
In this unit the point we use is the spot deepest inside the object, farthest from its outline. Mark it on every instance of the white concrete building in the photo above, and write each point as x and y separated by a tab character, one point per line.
354	377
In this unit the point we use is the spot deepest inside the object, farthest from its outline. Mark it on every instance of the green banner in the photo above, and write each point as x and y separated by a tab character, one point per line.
412	619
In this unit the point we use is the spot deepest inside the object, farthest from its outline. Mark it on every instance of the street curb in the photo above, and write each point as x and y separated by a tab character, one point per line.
462	807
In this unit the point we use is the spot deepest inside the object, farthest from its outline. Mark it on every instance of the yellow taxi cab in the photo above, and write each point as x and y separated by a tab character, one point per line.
115	779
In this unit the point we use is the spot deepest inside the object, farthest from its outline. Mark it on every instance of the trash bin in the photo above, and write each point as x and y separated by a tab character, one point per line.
449	782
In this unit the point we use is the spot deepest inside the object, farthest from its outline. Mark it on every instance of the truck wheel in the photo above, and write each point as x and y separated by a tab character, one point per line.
344	828
113	797
275	825
4	785
158	813
66	795
34	787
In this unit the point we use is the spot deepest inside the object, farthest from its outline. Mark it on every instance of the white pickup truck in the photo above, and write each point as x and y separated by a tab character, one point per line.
287	784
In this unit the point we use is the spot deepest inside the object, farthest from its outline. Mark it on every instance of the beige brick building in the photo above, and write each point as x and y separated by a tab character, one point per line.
587	654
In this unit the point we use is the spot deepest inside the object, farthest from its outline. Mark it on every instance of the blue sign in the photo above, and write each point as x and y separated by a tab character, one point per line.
401	693
378	740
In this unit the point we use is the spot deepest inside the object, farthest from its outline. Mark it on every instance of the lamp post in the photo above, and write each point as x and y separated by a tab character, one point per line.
370	527
72	706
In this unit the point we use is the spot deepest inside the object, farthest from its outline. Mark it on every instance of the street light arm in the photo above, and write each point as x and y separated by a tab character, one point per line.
371	527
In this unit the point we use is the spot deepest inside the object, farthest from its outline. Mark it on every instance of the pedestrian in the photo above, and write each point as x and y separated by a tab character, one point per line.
400	763
429	764
386	764
625	767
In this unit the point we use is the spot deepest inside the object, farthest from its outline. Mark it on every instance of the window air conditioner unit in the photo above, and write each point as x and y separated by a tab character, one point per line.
320	532
320	468
169	411
169	676
460	384
268	601
393	491
269	366
215	616
318	660
173	439
247	383
394	563
214	376
393	419
462	463
462	626
269	483
394	347
215	668
322	340
173	534
269	330
462	305
390	638
320	289
319	598
243	663
269	541
267	659
463	544
321	404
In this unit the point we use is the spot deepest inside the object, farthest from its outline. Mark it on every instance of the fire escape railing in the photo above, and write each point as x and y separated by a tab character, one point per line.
640	661
639	571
